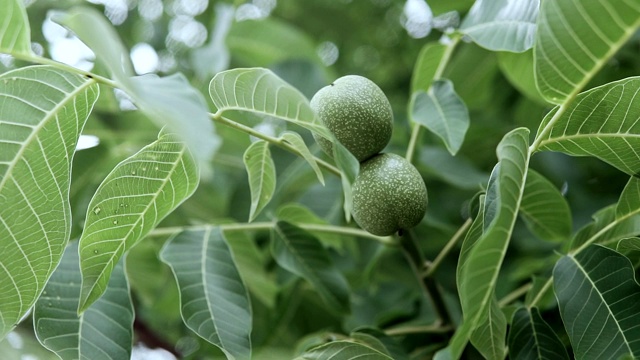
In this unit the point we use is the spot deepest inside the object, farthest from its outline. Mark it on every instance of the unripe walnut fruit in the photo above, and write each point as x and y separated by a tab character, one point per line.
388	195
357	112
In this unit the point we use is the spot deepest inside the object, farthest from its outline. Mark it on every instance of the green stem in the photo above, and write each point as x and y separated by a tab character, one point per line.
414	256
433	266
424	329
218	118
541	293
514	295
417	128
44	61
331	229
545	131
416	131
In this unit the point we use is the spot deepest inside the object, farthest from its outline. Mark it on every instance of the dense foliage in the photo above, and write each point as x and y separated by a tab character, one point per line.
191	209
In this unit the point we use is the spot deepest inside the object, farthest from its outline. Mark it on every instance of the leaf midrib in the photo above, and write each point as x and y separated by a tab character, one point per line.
128	234
48	116
569	98
593	285
552	140
262	178
494	278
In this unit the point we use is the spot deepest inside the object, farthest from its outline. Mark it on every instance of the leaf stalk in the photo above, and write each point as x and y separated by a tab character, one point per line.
218	118
414	256
416	129
267	225
433	266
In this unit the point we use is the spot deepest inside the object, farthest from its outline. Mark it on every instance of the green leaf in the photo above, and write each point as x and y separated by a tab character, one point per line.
137	194
455	170
520	71
261	91
262	176
100	36
390	345
268	41
461	337
343	350
614	222
253	265
442	111
606	229
170	101
370	341
489	337
214	301
429	59
482	257
294	139
574	40
473	235
544	210
502	25
349	167
61	330
601	122
42	115
214	57
599	301
173	102
15	34
299	252
629	202
295	213
628	244
531	337
149	278
473	70
479	274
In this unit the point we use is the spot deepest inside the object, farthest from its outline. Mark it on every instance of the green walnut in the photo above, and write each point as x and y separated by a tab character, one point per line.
388	195
357	112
